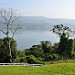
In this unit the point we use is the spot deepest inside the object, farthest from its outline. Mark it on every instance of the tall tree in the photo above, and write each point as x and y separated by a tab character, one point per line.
66	45
4	52
10	21
60	29
46	46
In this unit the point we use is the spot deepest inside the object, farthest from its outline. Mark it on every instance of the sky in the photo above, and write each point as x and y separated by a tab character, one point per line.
46	8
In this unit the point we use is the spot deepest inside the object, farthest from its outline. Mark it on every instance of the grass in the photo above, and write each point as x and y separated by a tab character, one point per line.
60	61
52	69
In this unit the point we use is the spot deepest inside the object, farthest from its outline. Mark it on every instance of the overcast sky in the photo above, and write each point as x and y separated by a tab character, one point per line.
47	8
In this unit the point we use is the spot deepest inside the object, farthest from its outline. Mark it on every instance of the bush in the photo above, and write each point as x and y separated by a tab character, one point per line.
56	56
52	57
31	59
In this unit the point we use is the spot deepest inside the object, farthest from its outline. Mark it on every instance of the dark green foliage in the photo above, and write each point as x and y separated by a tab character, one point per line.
55	48
70	49
14	51
63	44
4	50
4	53
66	47
20	57
35	50
1	42
32	59
49	57
46	46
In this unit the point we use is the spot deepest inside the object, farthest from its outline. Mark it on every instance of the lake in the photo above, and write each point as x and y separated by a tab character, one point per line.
26	39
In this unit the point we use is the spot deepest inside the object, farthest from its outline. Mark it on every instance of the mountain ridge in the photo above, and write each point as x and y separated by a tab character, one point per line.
44	23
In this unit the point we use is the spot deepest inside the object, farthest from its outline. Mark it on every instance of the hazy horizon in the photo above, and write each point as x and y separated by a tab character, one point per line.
47	8
48	17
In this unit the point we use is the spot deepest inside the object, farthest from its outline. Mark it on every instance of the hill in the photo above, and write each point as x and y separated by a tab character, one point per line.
44	23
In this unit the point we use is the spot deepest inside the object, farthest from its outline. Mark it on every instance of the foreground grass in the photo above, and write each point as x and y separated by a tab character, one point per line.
60	61
52	69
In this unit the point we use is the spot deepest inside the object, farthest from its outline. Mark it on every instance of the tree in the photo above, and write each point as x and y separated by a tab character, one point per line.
20	57
35	50
60	29
10	21
32	59
62	48
46	46
4	53
66	45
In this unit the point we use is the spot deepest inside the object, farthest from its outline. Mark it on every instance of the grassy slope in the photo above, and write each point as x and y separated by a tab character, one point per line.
52	69
60	61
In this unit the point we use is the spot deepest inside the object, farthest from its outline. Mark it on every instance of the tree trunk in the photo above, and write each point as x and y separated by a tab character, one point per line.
10	57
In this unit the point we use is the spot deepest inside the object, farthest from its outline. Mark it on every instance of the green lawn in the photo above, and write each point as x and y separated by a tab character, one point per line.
60	61
52	69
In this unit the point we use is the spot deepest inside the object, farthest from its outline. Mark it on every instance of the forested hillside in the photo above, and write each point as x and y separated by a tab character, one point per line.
42	23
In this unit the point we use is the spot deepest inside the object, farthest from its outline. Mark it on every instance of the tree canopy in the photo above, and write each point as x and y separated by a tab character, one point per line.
61	29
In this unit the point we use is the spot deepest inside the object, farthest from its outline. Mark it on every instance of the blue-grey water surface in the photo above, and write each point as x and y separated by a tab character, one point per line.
28	38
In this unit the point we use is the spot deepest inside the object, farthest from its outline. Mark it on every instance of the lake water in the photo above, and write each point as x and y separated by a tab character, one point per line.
28	38
25	39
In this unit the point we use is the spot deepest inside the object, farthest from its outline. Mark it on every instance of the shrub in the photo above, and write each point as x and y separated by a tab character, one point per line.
31	59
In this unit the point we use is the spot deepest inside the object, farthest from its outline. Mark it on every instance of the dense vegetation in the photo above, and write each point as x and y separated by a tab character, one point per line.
45	51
